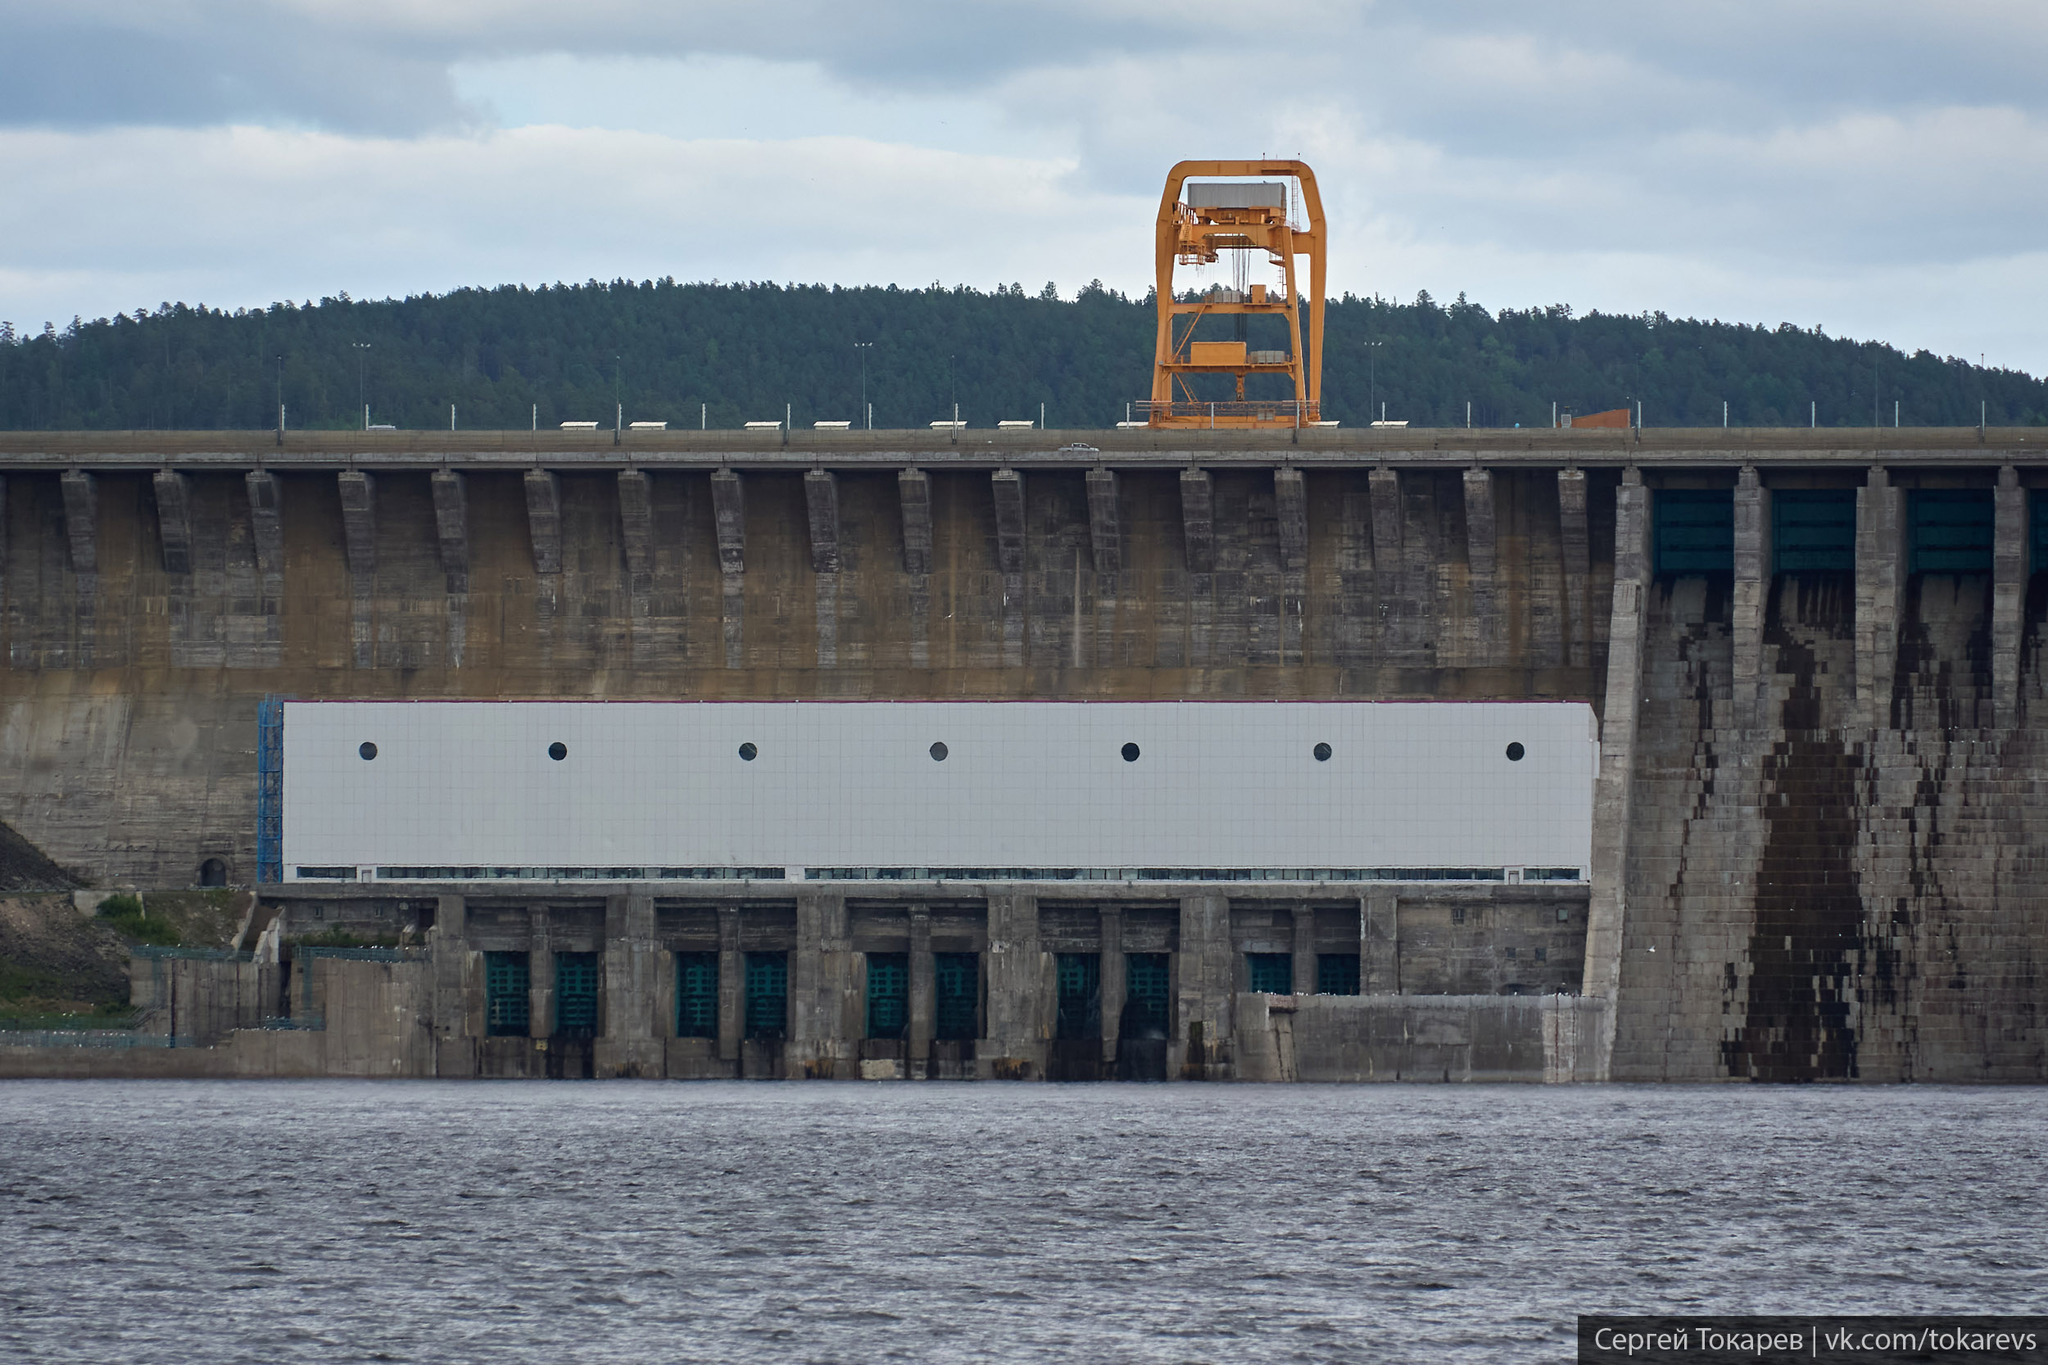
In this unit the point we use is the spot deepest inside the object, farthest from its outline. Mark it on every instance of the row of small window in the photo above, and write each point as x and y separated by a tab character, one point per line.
349	872
750	751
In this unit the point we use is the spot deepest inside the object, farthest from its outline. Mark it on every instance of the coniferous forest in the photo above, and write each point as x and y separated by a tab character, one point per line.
723	354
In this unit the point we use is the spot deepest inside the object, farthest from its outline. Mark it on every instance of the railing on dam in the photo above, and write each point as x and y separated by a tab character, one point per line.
977	448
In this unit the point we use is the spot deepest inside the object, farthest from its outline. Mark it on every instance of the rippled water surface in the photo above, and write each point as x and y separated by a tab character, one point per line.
334	1221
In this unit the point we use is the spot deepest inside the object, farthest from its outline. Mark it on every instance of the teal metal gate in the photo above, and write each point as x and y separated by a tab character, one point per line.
956	979
888	995
508	998
767	995
696	995
1813	530
575	995
1269	973
1080	996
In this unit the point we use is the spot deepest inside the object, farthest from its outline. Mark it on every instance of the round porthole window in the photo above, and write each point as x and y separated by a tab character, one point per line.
1322	753
939	752
367	750
558	751
1515	752
1130	753
748	752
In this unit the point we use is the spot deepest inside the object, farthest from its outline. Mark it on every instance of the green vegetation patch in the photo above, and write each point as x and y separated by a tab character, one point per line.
126	917
723	354
57	961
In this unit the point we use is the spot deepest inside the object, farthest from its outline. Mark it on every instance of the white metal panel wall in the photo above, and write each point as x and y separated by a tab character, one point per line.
1024	784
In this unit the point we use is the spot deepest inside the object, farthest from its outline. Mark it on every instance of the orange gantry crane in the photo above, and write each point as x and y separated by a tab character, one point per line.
1241	217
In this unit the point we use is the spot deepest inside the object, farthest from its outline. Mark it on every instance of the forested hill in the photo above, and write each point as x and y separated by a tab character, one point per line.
729	353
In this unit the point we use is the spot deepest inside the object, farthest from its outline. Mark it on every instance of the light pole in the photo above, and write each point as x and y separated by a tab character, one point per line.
362	367
1372	352
867	412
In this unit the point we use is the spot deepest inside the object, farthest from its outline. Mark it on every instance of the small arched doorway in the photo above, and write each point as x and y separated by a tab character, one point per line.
213	872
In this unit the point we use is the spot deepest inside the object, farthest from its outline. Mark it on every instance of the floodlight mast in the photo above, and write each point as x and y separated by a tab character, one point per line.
1247	216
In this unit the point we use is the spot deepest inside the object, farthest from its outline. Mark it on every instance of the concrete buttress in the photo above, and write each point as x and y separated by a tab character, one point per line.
1752	596
923	992
631	1044
174	520
266	519
2008	595
1880	583
1290	504
1113	979
540	964
729	515
732	965
821	504
1019	990
1480	560
636	529
359	536
1008	485
1304	978
1379	942
729	520
451	527
359	526
455	1030
824	997
1575	548
914	499
914	496
1198	520
1105	532
1614	788
544	520
1204	1029
81	522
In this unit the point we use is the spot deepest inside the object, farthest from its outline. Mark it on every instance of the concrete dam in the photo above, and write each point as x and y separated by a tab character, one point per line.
1316	755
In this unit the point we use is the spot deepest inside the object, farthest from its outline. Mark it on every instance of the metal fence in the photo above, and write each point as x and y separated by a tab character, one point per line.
150	950
102	1037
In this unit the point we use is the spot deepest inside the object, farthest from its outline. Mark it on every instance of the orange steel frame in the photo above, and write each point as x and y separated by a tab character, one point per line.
1188	236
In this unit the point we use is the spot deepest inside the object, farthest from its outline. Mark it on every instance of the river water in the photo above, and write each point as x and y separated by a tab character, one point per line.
622	1222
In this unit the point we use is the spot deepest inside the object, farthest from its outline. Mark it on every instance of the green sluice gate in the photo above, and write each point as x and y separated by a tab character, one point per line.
1337	974
1813	530
1080	996
696	995
956	981
575	995
1269	973
767	995
1694	530
1148	1008
888	995
508	998
1951	529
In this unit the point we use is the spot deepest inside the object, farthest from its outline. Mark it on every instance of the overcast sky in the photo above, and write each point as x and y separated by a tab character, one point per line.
1879	168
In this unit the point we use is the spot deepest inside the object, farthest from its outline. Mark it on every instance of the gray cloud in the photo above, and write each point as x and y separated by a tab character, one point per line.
1881	166
385	70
